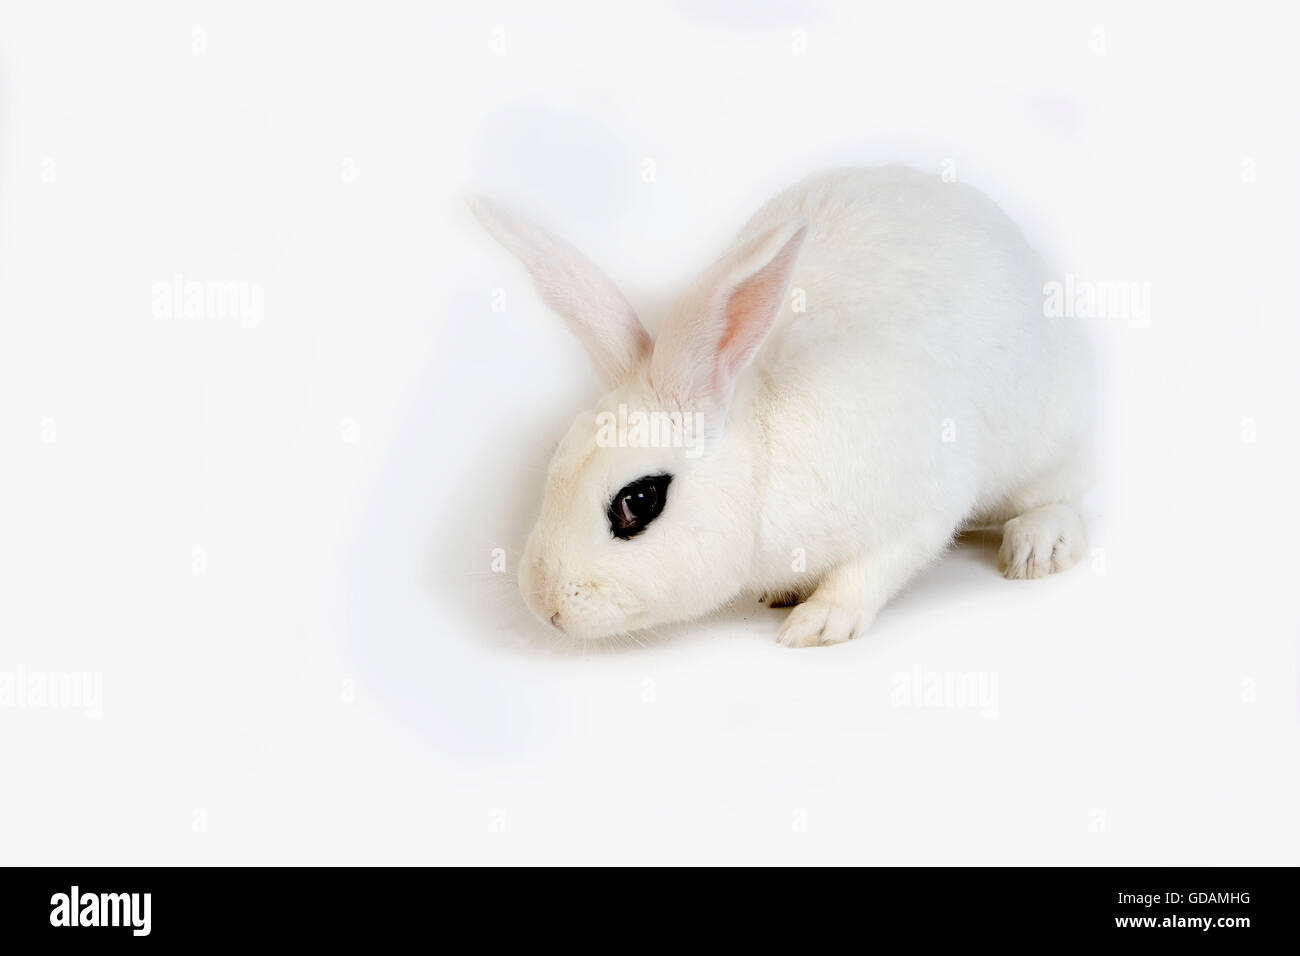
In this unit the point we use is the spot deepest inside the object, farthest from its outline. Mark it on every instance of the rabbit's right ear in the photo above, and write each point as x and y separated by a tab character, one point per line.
571	285
717	327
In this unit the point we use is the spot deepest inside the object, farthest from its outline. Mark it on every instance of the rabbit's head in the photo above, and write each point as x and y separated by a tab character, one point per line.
652	497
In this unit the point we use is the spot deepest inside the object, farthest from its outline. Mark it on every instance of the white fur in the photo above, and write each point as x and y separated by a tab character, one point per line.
921	392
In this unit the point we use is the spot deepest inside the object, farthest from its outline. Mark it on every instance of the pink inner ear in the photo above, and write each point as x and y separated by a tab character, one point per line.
751	311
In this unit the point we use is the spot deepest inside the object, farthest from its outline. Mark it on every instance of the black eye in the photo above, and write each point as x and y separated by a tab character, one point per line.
637	504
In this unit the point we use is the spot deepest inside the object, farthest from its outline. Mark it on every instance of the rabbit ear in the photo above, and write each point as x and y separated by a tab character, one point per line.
714	332
571	285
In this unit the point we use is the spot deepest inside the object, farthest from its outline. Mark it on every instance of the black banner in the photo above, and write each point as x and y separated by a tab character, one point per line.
340	906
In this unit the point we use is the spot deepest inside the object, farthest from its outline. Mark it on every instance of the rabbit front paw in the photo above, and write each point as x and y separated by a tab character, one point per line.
1040	542
816	622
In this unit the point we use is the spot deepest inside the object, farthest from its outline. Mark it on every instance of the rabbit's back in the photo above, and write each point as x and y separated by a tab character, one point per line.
906	254
912	371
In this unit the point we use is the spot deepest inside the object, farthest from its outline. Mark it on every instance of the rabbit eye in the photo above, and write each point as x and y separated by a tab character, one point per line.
637	504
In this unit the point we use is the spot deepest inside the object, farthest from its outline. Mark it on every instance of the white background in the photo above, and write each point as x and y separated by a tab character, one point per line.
272	541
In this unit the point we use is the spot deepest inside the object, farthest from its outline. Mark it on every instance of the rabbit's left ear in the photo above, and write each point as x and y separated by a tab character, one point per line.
589	302
714	332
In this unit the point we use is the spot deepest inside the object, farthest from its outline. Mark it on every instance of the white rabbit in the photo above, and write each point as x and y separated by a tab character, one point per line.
873	372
